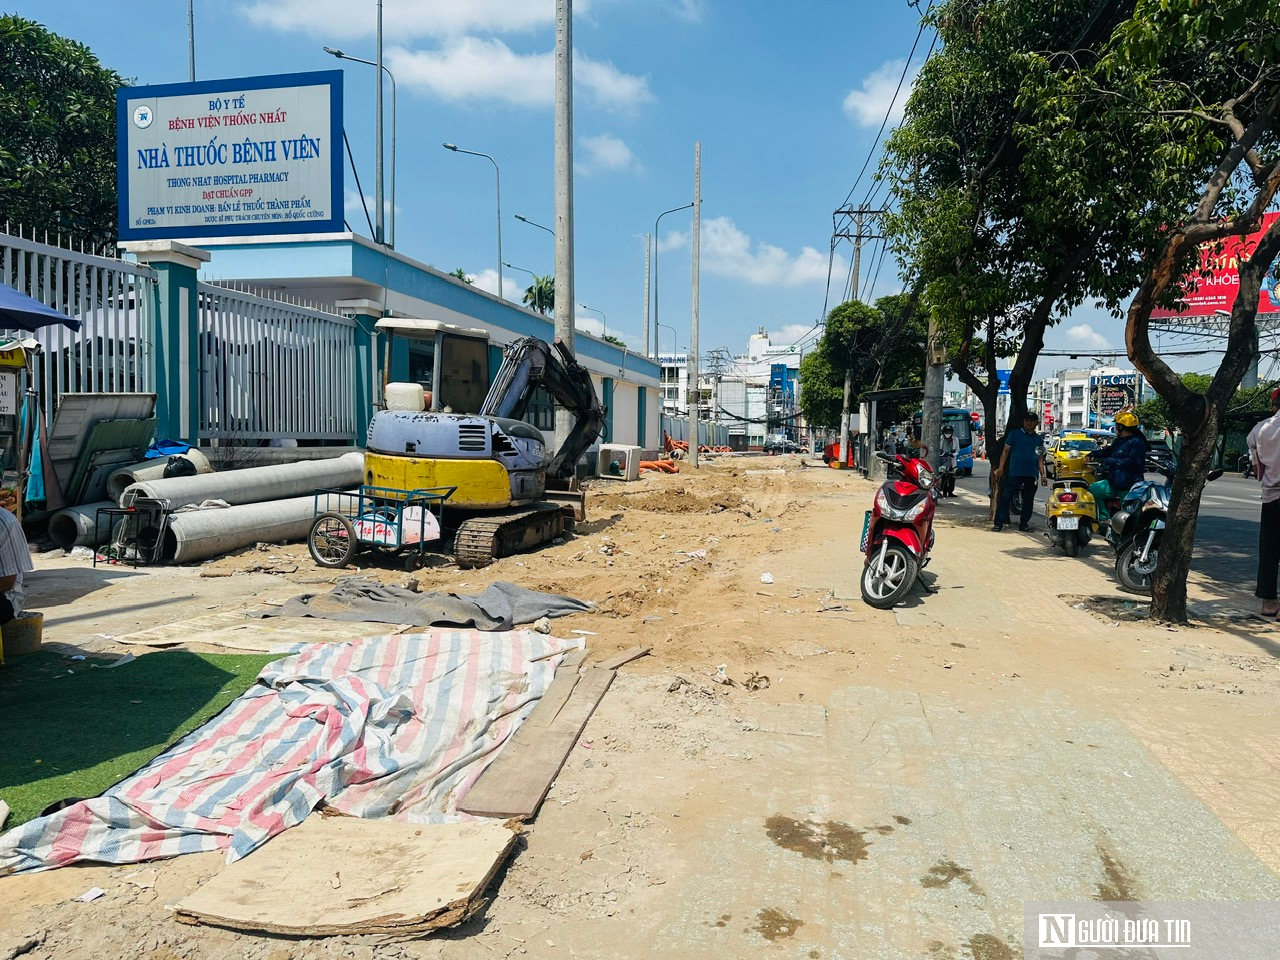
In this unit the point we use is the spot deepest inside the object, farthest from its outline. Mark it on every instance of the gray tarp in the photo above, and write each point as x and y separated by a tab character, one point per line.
501	606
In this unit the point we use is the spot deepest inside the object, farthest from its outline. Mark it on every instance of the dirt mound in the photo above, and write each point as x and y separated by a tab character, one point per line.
675	500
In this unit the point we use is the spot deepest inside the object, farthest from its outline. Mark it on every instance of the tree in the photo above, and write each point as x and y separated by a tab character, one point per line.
883	346
610	338
461	274
1155	413
541	294
1199	85
57	135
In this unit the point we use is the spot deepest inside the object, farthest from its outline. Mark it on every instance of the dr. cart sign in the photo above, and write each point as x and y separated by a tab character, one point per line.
254	155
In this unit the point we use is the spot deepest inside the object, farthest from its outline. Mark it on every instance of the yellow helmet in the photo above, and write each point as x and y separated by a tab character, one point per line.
1126	418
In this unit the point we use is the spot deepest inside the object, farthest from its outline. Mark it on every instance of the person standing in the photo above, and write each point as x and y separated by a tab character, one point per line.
1264	449
15	560
948	450
891	443
1020	463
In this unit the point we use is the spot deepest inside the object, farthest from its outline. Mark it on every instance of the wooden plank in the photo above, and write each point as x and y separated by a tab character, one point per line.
613	663
331	876
517	782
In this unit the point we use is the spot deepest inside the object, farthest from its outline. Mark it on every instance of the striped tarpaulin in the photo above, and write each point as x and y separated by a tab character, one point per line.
394	726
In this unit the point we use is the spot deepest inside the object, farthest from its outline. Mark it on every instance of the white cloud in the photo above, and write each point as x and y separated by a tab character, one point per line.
674	240
607	152
868	104
729	252
332	19
354	209
487	280
587	324
470	68
690	10
1082	334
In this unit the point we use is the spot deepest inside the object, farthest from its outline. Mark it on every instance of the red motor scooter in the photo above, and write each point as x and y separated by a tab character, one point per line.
897	533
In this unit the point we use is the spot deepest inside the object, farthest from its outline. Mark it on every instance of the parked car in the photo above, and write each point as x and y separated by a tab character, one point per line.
781	445
1065	444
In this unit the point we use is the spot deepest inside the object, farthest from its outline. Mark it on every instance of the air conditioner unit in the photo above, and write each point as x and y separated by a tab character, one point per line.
618	461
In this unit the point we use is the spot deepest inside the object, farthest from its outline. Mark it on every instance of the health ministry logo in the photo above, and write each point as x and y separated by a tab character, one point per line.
1068	931
142	116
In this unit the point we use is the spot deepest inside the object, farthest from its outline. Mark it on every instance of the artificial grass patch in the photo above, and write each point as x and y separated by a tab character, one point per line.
72	730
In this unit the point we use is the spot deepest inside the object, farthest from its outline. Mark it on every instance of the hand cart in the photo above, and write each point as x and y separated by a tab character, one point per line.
383	519
135	530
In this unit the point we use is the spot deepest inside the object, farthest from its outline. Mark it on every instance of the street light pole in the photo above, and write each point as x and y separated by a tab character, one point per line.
191	40
497	175
604	321
657	243
391	239
382	211
531	223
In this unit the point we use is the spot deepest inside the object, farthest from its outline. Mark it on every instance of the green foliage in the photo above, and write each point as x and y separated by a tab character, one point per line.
882	345
610	338
461	274
57	134
541	294
1155	413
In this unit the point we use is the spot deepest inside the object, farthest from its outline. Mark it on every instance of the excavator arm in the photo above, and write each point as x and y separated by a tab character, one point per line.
529	363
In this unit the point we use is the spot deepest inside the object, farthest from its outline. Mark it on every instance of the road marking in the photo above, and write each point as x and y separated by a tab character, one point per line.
1217	496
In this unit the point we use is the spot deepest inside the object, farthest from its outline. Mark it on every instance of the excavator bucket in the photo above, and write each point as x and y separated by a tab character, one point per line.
570	496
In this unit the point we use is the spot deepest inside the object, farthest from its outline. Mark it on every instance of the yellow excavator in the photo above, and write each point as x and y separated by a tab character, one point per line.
446	426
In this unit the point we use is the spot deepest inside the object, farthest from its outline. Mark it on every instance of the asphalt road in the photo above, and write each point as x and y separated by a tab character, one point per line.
1226	535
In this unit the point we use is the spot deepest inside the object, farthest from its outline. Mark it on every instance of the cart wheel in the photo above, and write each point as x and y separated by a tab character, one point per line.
410	561
332	540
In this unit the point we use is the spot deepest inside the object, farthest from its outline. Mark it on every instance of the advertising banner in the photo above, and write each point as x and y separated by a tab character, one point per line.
1109	395
241	157
1215	287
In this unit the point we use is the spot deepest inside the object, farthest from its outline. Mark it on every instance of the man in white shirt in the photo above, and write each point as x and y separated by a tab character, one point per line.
15	560
1264	449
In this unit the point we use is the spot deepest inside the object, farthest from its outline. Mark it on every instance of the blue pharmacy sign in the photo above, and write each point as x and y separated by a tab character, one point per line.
241	157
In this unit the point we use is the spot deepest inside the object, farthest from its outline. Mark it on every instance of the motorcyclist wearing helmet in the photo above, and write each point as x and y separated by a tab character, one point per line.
1121	463
947	451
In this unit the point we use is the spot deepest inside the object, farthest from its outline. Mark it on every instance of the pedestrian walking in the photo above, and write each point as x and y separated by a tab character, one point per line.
1264	449
1020	464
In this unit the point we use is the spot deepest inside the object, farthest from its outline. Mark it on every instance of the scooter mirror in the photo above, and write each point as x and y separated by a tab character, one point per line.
1214	475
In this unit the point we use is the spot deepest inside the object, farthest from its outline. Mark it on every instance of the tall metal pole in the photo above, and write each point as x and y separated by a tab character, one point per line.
647	256
380	229
191	40
694	418
846	410
497	179
934	384
392	238
565	299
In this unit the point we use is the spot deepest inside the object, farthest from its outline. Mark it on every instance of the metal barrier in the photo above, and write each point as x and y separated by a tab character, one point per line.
115	303
273	370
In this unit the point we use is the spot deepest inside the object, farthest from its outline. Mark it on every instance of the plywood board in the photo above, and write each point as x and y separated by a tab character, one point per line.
516	783
613	663
331	876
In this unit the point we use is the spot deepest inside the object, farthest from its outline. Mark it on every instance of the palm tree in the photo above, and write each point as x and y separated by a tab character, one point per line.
541	294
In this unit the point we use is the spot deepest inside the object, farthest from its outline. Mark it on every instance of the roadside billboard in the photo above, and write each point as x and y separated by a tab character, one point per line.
240	157
1109	395
1218	281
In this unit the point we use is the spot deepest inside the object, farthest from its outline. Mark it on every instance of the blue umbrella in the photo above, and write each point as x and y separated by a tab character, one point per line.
19	311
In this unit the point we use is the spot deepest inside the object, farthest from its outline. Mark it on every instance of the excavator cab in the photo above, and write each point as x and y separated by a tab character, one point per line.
449	362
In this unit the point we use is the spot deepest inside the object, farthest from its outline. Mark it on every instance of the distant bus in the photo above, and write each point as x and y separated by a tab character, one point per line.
961	423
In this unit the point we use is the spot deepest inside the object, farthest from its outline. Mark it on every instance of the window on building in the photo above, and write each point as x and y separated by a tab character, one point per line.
1076	420
1077	394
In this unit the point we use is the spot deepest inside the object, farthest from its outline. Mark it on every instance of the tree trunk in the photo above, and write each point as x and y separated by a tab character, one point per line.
1169	585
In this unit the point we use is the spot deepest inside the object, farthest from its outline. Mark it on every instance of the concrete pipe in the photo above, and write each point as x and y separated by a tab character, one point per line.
151	470
74	526
199	534
258	484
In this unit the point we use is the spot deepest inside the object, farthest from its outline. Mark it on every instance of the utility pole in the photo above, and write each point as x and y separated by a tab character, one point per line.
564	302
844	218
191	40
693	331
934	382
380	229
646	294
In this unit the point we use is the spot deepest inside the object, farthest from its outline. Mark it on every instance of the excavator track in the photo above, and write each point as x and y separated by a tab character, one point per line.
482	540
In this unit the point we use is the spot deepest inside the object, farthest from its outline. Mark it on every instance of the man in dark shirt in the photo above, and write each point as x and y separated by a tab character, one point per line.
1020	464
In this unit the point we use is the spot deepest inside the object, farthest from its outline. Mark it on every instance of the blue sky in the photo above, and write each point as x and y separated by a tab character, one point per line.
785	98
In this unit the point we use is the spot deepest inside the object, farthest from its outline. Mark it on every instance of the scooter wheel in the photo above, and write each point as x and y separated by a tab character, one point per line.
1127	560
1071	544
885	586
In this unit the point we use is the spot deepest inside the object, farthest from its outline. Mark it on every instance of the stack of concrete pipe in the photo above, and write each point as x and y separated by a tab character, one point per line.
274	504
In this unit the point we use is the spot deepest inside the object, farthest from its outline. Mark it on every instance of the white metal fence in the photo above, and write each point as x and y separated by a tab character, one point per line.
115	303
274	370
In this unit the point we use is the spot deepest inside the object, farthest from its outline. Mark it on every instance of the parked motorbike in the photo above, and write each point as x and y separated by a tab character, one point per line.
1137	527
897	532
946	476
1246	467
1071	513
